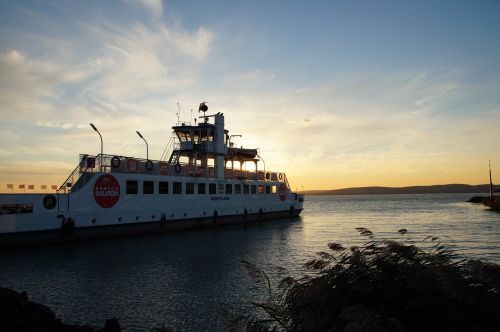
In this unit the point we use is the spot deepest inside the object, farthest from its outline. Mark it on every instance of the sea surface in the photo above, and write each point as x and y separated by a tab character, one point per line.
189	279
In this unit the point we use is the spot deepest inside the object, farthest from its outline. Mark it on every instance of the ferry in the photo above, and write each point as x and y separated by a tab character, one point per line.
194	184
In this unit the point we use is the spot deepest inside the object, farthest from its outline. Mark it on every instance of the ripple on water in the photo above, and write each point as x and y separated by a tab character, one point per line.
184	278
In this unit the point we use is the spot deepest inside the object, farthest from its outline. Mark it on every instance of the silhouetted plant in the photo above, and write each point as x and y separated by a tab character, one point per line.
382	285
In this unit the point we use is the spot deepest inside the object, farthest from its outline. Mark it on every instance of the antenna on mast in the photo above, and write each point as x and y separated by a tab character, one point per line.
178	113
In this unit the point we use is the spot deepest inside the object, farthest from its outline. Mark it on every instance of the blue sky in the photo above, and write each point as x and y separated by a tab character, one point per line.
336	93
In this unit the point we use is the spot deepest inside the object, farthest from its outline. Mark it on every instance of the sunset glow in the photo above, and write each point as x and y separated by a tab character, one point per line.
336	94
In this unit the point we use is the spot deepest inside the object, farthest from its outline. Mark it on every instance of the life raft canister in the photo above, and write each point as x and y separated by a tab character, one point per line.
163	168
132	166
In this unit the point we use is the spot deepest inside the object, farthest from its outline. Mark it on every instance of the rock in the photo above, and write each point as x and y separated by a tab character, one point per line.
111	325
18	314
477	199
493	204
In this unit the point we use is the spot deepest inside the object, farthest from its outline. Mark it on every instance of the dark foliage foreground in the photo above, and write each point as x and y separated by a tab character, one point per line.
19	314
380	286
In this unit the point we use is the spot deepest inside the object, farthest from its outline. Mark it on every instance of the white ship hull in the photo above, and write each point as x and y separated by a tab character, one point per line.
110	195
139	213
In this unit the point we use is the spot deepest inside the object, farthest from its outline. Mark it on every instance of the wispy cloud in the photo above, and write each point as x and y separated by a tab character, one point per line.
124	65
123	84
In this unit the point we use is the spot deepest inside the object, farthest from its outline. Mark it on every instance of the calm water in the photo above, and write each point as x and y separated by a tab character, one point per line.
183	279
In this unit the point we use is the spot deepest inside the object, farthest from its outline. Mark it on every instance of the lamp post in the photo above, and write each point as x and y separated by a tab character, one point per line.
147	147
100	159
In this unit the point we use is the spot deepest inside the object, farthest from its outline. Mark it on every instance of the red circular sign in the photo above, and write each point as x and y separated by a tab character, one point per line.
283	192
106	191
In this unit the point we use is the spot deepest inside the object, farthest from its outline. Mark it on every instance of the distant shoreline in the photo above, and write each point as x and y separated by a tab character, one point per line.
432	189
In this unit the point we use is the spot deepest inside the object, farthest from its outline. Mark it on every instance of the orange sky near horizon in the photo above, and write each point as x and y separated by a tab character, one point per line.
334	95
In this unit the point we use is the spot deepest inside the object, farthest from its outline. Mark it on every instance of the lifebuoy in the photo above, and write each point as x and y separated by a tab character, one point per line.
149	165
177	168
115	162
280	176
49	202
268	176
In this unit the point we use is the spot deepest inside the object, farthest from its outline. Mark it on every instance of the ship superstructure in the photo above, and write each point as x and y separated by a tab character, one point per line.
201	180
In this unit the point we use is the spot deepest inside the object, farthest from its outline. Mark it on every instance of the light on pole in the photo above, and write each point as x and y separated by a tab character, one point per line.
100	160
147	147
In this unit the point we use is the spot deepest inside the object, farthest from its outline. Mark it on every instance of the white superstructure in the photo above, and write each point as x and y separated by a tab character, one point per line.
195	184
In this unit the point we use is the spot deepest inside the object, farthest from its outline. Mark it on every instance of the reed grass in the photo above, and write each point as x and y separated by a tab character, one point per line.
381	285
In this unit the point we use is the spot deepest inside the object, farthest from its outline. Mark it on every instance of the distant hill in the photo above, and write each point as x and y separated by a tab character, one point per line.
434	189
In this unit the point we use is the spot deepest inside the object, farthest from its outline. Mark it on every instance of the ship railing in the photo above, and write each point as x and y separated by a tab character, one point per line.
80	174
122	164
169	148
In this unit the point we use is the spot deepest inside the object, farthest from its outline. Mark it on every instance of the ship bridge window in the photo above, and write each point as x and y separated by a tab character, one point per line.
190	188
274	189
132	187
183	137
246	189
237	188
207	135
268	190
201	188
148	187
261	189
163	187
212	189
254	189
16	208
177	188
229	188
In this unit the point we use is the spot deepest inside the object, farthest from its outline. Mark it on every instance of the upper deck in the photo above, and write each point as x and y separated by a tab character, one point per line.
204	150
90	164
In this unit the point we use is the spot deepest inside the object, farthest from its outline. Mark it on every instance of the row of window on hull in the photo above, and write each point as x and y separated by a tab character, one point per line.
178	188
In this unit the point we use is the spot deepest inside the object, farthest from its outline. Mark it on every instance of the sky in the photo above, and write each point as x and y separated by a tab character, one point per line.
334	93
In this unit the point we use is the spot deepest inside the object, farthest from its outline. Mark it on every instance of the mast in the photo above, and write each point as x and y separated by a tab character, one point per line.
491	182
